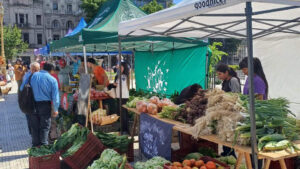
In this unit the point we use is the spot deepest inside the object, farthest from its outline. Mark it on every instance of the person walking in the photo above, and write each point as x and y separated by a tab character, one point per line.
34	67
11	72
20	71
45	91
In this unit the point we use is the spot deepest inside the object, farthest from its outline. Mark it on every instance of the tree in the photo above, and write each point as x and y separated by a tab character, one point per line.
91	8
13	42
152	7
215	58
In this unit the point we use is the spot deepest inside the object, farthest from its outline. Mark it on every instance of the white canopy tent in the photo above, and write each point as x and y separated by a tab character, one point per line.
272	25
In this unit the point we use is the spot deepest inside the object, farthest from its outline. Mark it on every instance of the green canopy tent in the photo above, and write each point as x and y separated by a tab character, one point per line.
101	34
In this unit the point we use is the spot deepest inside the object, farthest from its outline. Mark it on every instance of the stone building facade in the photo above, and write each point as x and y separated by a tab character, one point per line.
42	20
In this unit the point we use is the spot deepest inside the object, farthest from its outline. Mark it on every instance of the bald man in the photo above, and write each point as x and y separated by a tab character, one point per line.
34	67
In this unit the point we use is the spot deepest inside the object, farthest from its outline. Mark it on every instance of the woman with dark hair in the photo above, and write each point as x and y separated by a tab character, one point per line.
125	93
261	87
231	83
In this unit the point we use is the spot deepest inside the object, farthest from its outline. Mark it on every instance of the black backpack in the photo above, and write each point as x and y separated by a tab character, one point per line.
26	98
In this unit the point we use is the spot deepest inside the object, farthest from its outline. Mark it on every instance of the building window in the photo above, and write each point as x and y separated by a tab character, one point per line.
70	25
17	20
55	24
55	37
26	37
39	39
26	21
55	6
38	19
69	8
22	18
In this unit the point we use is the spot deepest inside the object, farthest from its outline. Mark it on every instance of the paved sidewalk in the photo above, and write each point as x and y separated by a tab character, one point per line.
14	136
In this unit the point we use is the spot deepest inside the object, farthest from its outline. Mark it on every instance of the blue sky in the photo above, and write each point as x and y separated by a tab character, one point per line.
176	1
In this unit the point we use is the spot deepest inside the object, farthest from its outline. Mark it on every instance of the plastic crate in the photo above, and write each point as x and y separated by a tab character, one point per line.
49	162
87	152
128	166
205	159
114	127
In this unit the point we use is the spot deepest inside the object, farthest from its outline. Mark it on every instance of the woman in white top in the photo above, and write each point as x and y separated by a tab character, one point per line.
11	72
125	94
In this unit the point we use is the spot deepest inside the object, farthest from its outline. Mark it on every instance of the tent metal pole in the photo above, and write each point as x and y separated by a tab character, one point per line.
120	86
85	60
248	11
206	71
131	70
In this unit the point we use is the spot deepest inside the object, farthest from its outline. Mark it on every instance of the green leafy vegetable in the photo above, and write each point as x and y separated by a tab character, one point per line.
41	151
154	163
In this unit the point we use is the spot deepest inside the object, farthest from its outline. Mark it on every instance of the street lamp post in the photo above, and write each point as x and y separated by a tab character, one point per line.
2	58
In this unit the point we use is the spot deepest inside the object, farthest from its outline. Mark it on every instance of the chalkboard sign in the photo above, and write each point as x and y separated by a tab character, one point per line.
83	94
155	137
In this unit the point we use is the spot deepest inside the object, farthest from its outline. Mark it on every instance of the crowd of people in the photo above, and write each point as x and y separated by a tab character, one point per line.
46	78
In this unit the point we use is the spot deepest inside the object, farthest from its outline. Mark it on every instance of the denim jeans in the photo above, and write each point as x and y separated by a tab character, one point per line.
40	122
28	123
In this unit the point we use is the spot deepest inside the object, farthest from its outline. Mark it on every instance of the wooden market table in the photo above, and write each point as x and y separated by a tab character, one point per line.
243	151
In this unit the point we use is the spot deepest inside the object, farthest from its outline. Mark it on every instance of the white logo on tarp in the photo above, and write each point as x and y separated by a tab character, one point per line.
100	17
209	3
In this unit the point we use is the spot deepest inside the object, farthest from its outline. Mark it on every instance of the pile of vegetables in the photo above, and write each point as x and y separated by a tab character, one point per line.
195	164
171	112
276	126
67	138
94	94
222	115
153	163
231	161
132	101
41	151
112	141
81	138
194	108
109	159
153	105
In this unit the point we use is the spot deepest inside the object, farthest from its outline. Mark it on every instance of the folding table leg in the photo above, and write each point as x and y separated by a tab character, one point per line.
267	164
248	160
282	164
239	160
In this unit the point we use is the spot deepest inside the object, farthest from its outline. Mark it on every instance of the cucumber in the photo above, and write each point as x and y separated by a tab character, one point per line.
272	137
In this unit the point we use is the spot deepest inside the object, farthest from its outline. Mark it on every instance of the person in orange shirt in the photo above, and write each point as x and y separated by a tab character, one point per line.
99	72
20	71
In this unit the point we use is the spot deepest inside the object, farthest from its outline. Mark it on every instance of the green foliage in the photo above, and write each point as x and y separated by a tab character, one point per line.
91	8
234	67
13	42
216	56
229	45
152	7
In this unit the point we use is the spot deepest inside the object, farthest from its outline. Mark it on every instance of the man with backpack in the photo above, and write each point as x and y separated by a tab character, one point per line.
34	67
45	90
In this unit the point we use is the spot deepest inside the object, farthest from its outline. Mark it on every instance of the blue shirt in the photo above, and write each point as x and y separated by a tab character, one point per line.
76	67
44	86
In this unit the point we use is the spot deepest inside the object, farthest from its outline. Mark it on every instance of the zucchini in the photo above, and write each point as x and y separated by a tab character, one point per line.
272	137
259	132
275	146
247	127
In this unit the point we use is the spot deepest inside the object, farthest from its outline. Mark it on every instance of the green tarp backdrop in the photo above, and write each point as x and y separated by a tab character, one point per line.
169	71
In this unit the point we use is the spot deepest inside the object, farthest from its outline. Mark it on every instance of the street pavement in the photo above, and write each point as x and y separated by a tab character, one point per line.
14	136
